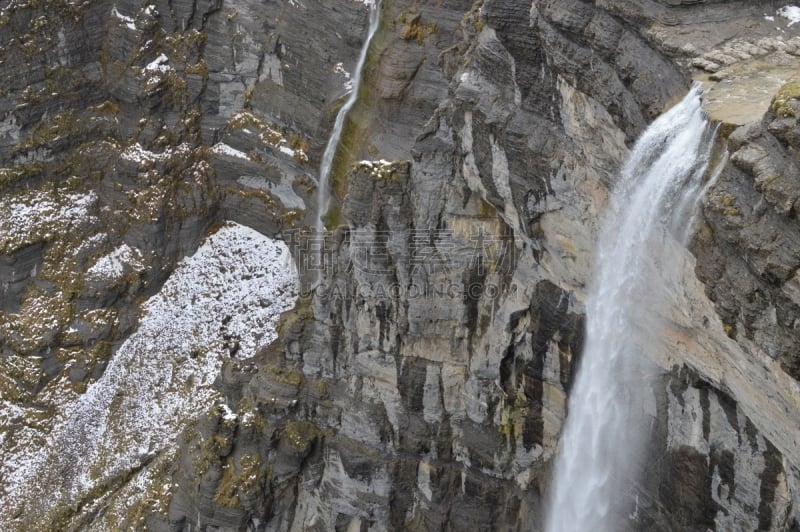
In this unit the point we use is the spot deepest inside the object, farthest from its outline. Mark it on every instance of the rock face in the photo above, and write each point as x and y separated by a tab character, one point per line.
422	383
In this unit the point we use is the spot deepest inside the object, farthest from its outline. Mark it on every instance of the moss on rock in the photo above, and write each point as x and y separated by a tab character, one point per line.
301	434
284	375
780	104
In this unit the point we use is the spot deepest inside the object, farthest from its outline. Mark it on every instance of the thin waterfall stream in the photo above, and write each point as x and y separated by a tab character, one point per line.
328	156
637	270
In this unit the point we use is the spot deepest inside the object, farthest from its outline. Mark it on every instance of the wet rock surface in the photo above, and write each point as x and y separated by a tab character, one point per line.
423	383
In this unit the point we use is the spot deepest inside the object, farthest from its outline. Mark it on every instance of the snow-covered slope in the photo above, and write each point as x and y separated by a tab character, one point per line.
224	301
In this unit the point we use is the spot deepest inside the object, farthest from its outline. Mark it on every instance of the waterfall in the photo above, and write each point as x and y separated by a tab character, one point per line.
323	192
636	273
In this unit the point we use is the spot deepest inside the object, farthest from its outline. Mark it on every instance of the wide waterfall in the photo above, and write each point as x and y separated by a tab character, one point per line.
636	269
323	192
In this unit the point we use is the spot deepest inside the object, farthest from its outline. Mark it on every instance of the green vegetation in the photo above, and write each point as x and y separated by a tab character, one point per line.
355	133
292	322
473	17
240	476
249	415
321	387
284	375
730	330
780	104
271	135
333	218
486	209
512	416
729	206
19	174
153	500
414	29
61	126
354	137
209	452
301	434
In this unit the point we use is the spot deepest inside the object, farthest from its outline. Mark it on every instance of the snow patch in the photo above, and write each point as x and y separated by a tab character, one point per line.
790	12
286	150
136	153
227	413
338	68
269	135
116	264
37	214
223	149
159	64
377	168
126	21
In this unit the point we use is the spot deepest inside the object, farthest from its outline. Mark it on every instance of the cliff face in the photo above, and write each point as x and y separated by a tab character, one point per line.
422	383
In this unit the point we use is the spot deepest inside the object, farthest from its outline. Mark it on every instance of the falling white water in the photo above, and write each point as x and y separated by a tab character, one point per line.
323	192
636	271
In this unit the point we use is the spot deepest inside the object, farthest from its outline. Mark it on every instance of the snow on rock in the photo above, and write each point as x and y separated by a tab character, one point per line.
138	154
223	149
379	168
790	12
125	20
238	276
267	133
338	68
146	488
159	64
117	264
35	215
224	301
227	413
155	72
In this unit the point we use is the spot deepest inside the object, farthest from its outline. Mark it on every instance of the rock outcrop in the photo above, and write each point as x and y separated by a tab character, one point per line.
421	380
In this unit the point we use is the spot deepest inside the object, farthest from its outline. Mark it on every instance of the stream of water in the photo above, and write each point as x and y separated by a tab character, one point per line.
650	211
323	192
